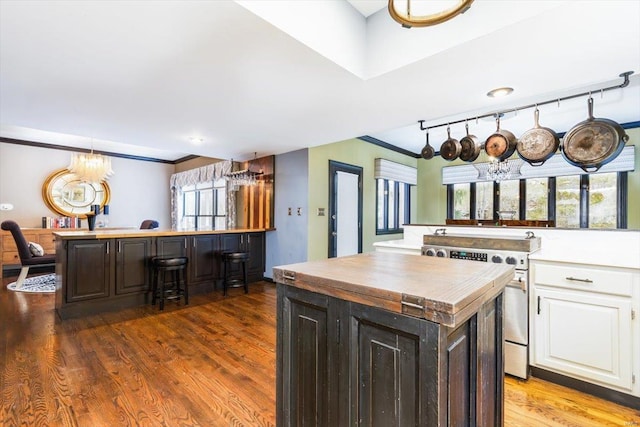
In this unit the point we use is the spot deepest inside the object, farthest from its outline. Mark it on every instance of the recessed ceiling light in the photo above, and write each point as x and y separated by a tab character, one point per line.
196	141
499	92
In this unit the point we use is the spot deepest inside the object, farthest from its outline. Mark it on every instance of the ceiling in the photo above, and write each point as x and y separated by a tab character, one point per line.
228	79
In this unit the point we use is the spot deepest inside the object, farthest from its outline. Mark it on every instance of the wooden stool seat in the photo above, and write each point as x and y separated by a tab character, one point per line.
177	285
228	259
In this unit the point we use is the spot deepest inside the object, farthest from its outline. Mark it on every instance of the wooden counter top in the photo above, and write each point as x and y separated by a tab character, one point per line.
129	233
443	290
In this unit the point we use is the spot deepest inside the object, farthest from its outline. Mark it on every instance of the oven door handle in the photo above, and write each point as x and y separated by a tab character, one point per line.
518	282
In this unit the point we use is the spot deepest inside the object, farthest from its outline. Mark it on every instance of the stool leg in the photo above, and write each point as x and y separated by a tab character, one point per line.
164	279
244	274
224	278
154	286
186	287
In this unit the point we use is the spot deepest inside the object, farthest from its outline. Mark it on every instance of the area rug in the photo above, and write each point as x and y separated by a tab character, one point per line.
44	283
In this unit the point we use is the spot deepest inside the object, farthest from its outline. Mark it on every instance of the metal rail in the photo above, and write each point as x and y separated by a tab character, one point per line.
624	84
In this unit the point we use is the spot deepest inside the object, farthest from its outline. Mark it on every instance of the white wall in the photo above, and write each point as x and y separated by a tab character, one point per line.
139	189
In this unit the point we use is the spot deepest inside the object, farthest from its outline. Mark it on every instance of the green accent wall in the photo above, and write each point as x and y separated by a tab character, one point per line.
358	153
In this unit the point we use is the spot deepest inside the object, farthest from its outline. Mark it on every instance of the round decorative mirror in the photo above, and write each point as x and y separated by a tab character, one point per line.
67	195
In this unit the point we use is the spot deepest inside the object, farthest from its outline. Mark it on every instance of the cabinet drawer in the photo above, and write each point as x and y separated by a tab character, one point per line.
584	278
47	242
10	257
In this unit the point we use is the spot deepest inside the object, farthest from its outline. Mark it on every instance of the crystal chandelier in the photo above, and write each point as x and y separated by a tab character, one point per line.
90	167
497	170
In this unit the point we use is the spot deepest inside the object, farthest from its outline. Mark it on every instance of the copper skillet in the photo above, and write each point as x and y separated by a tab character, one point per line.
537	145
594	142
471	146
450	149
501	144
428	151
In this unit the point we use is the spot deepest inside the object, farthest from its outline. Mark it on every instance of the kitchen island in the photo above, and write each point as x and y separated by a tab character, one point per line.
390	339
108	269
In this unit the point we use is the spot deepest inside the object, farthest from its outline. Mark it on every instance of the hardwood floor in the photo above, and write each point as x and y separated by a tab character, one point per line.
211	363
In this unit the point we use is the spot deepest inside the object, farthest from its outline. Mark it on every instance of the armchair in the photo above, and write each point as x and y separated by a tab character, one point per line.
27	259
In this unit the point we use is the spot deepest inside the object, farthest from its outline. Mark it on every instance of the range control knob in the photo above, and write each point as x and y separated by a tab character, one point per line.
431	252
511	260
441	253
496	259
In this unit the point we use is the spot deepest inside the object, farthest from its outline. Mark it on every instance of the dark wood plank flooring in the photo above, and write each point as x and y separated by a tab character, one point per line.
211	363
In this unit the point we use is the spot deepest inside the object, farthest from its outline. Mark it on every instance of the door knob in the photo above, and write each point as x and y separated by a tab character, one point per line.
334	234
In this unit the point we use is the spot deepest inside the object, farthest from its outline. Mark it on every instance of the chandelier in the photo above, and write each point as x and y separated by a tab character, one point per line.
90	167
497	170
409	21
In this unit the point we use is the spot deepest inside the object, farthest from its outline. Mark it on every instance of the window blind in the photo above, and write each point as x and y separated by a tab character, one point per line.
555	166
386	169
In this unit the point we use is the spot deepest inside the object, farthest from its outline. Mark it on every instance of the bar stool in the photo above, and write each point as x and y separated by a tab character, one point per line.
230	258
176	266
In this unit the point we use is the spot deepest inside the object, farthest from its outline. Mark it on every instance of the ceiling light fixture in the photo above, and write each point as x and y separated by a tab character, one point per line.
499	92
409	21
90	167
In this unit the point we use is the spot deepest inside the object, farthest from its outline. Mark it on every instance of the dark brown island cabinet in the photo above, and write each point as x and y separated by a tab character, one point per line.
383	339
110	270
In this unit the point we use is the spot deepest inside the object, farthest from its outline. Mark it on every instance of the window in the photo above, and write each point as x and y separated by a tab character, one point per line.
204	206
461	201
575	201
393	195
393	206
537	199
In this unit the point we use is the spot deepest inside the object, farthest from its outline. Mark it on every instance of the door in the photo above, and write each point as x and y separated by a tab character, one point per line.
345	209
584	335
132	265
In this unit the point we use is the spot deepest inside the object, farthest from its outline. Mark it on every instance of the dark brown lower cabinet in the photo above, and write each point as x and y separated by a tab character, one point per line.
132	265
109	274
88	274
340	363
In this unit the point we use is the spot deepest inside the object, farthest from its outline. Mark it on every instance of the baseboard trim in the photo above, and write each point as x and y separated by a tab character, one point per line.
585	387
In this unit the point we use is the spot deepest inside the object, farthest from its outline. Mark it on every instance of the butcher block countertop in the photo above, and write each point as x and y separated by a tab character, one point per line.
129	232
443	290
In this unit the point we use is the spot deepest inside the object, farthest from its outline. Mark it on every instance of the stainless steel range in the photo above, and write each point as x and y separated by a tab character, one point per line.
512	250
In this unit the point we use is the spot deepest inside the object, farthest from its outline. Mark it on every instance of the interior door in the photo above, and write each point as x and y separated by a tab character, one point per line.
345	209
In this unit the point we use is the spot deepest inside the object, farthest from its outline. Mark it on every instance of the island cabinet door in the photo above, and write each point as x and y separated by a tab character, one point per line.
175	246
132	265
393	369
204	261
89	272
255	245
308	365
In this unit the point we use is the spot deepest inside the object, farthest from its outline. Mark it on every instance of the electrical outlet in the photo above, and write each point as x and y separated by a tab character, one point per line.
299	211
320	211
289	211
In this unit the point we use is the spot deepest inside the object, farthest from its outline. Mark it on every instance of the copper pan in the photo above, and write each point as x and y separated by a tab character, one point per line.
594	142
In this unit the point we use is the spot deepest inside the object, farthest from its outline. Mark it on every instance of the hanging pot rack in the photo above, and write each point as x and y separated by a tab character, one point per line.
624	84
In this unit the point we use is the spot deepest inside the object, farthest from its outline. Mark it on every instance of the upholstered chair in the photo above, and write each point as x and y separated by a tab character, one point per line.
27	258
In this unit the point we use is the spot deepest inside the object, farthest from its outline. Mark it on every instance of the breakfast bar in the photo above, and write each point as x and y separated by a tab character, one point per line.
390	339
107	270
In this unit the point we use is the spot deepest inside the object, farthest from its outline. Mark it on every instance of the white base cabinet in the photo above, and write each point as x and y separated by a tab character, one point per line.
584	323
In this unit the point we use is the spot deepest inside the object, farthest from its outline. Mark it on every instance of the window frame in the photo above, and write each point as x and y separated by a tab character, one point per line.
196	189
621	200
396	227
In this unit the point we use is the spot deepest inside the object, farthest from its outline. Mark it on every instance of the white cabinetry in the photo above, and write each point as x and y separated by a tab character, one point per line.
584	323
